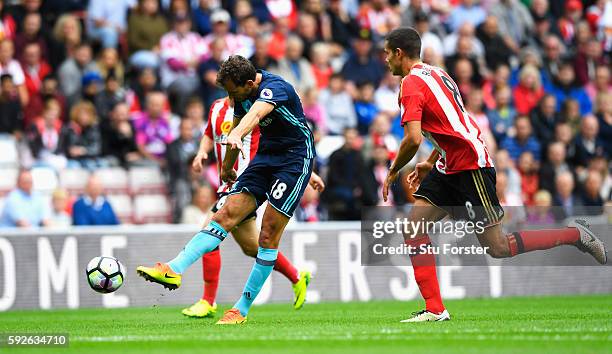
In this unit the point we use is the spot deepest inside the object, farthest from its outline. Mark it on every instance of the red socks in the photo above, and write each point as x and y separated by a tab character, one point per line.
285	267
211	267
424	265
525	241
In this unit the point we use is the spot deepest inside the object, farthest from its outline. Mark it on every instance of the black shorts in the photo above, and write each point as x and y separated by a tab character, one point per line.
467	195
221	200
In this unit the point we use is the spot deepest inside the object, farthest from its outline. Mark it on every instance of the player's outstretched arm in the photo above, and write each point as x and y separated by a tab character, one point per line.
258	110
408	148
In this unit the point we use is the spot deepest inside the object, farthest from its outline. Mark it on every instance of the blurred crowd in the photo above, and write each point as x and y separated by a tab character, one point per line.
93	84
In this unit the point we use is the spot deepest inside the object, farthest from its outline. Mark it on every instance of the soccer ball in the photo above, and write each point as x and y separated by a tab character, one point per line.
105	274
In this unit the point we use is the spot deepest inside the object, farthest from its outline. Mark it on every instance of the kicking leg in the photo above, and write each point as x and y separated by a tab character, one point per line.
272	229
424	264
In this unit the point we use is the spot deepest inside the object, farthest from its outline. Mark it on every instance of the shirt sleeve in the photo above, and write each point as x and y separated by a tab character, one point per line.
239	111
273	93
411	102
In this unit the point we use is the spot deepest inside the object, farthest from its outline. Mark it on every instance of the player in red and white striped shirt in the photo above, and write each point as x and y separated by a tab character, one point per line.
220	120
462	184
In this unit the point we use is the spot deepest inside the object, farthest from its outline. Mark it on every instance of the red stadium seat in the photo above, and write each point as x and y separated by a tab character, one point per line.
122	206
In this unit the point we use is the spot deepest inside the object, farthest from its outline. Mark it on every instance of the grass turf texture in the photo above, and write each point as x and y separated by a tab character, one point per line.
577	324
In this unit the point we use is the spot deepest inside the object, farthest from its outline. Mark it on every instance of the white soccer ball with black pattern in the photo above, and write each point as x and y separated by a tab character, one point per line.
105	274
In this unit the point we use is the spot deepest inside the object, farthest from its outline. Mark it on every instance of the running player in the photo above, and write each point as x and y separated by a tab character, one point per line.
279	173
462	184
220	120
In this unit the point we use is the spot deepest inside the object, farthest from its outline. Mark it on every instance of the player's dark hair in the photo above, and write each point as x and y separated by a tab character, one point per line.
407	39
236	69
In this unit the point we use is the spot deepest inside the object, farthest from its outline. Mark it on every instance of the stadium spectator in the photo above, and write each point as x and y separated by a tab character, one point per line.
72	70
80	139
308	210
146	26
145	83
587	62
203	199
604	117
587	142
590	194
207	71
260	58
234	44
294	68
465	52
503	116
362	65
178	154
474	105
529	91
554	164
35	70
378	17
24	207
66	37
344	192
428	38
601	83
386	95
314	111
153	129
544	118
112	94
91	86
201	17
339	106
377	167
59	217
107	20
277	44
44	135
467	31
515	21
365	107
11	115
342	25
380	135
508	198
523	141
31	34
308	32
565	197
92	208
119	137
491	85
565	88
182	51
504	164
567	23
554	52
541	212
109	63
528	168
195	112
8	65
467	11
8	25
321	66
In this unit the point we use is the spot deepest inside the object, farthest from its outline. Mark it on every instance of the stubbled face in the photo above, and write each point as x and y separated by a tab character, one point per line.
393	59
239	93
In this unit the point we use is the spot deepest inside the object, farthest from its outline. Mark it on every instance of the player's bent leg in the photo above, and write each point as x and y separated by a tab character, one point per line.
424	264
245	235
273	225
236	207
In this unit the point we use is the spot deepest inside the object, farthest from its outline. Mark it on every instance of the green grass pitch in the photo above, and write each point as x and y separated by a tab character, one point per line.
576	324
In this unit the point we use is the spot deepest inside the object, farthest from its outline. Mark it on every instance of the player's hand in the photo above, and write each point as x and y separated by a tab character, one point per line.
420	171
391	177
316	182
198	161
229	176
234	143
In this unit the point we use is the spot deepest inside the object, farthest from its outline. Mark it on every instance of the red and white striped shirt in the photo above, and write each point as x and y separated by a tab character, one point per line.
220	120
429	95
